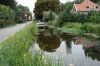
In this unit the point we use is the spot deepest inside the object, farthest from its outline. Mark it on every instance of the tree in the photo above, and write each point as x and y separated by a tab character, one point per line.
98	3
68	7
78	1
6	12
94	17
95	1
21	10
11	3
49	16
45	5
62	7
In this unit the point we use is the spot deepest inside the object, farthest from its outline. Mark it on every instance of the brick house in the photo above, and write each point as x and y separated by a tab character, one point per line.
85	7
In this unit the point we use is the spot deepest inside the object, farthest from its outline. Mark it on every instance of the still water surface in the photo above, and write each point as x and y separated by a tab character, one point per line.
81	50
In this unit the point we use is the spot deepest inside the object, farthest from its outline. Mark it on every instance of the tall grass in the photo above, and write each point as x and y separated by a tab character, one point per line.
14	50
72	28
73	25
88	27
97	29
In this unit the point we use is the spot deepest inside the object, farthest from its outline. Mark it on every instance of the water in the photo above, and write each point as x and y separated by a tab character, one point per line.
80	50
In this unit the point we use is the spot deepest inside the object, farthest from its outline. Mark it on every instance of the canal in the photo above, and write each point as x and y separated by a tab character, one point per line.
79	50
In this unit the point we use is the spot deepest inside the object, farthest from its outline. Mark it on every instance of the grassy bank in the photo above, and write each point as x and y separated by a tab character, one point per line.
78	28
14	51
72	28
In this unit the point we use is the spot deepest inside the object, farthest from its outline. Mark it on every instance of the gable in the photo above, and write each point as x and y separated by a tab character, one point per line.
87	5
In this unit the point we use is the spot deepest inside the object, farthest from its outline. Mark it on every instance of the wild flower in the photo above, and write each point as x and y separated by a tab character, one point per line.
71	64
42	57
61	50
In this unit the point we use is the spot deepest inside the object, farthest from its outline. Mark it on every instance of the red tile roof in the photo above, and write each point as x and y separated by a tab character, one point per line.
82	6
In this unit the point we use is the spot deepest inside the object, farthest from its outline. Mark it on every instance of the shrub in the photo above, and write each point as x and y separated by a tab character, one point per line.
72	25
6	23
88	27
6	12
97	29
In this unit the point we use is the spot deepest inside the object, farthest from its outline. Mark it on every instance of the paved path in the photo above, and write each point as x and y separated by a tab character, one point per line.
6	32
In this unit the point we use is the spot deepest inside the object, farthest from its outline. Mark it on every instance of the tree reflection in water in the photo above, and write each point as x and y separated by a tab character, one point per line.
91	47
68	39
51	43
48	43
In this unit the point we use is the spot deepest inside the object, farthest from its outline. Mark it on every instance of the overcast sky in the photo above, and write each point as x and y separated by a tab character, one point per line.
31	3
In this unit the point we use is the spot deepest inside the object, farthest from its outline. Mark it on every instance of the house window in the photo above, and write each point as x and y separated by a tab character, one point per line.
87	7
96	7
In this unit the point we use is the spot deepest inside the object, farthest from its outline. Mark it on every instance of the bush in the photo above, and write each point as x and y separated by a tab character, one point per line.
97	29
88	27
49	16
6	12
72	25
6	23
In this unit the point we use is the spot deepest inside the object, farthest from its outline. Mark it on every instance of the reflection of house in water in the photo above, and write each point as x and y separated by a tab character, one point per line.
91	48
85	43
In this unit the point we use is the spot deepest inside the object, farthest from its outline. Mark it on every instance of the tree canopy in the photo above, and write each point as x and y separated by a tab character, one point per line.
11	3
80	1
95	1
45	5
21	10
6	12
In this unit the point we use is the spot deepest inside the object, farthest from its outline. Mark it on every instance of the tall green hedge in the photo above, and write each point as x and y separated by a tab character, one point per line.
7	16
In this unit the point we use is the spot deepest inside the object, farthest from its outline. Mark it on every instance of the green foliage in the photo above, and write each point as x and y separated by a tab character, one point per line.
11	3
95	1
97	29
70	17
73	25
21	10
98	3
14	50
78	1
45	5
88	27
72	28
62	7
50	17
94	17
68	7
47	16
6	23
6	12
50	23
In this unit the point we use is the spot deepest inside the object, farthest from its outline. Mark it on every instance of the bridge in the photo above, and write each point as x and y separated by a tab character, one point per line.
41	26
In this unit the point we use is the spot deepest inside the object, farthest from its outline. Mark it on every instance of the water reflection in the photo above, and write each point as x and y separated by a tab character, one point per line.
81	48
91	47
48	43
68	39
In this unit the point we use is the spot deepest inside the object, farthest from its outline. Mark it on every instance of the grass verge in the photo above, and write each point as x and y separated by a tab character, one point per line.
74	28
14	51
77	28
